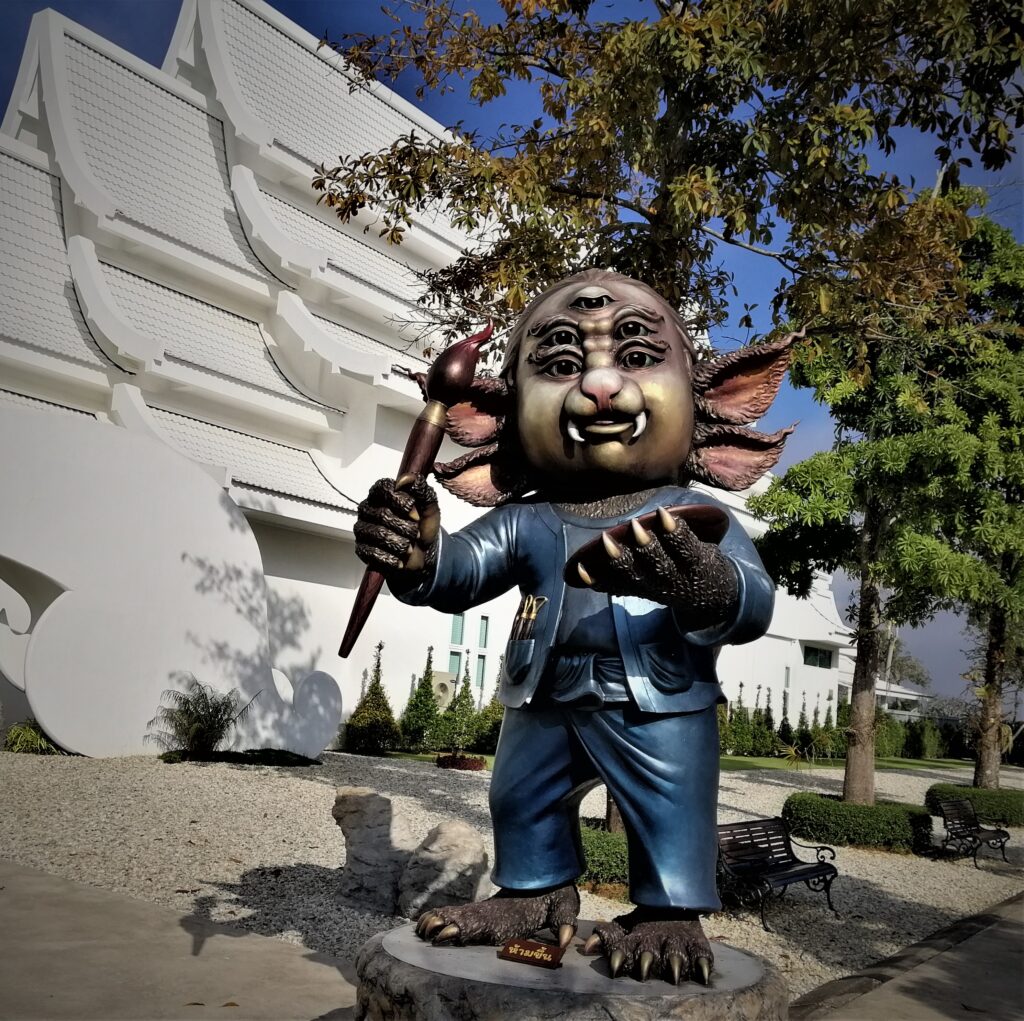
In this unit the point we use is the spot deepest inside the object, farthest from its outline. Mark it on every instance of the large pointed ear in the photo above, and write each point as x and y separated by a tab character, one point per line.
478	419
732	456
486	477
739	387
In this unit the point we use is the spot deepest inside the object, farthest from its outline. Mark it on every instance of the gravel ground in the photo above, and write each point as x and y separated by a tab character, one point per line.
256	847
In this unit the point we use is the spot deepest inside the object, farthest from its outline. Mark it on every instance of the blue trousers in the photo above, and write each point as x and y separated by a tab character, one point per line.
662	771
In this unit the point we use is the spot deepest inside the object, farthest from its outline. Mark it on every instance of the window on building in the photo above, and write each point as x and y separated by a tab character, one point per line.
481	669
485	623
816	656
458	625
455	664
844	693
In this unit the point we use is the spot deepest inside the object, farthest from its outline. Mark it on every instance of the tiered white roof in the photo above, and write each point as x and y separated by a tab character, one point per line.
159	229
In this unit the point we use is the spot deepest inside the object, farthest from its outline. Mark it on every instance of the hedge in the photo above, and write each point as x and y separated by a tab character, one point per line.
992	806
606	856
825	819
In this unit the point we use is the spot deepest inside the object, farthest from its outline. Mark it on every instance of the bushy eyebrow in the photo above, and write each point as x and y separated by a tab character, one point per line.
558	319
639	310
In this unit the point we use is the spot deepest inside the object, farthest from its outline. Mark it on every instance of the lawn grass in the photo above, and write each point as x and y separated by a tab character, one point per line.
735	763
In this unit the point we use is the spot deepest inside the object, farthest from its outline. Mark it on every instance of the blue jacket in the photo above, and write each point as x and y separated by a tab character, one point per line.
668	669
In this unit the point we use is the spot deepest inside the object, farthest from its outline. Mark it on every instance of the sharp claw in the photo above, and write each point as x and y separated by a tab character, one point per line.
584	576
642	536
433	924
675	963
424	923
447	933
667	522
593	944
611	547
565	935
403	480
646	960
616	961
703	971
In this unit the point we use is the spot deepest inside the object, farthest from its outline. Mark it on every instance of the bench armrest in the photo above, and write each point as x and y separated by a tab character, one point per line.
822	851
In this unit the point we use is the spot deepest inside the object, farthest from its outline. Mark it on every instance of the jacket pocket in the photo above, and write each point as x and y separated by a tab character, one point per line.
669	668
518	657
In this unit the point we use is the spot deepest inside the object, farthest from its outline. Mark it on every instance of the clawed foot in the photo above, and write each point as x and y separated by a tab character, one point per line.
642	945
507	915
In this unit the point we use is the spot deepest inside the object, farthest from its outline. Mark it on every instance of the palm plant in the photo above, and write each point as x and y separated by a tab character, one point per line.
198	720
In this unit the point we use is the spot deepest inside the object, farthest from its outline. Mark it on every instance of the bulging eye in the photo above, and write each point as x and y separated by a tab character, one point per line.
560	337
638	359
562	367
631	328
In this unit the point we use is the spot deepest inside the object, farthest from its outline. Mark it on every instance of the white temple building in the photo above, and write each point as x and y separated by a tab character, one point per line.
201	373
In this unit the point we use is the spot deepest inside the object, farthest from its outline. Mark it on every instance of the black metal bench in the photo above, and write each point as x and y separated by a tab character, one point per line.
965	834
756	861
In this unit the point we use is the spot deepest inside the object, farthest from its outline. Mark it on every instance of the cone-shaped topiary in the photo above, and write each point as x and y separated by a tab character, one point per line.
371	728
488	726
456	726
421	714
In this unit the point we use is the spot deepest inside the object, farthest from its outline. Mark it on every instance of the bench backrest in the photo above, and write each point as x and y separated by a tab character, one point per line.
959	815
754	844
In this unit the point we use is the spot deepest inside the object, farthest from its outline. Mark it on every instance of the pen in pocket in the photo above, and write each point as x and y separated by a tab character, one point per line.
526	617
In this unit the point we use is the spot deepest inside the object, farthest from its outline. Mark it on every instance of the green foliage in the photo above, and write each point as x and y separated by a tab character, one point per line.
998	806
923	740
371	729
606	855
488	726
785	736
659	135
421	714
762	740
740	729
456	726
804	739
890	735
29	739
890	825
724	729
198	720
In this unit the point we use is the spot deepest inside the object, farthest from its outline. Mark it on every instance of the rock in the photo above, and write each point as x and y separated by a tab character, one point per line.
401	978
449	867
377	846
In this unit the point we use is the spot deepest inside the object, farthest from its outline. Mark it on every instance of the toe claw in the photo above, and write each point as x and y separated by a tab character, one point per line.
565	935
703	971
616	961
584	575
640	534
646	960
447	933
429	924
611	547
667	522
593	944
675	964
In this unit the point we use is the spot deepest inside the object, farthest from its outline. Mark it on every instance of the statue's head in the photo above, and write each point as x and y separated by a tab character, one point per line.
601	393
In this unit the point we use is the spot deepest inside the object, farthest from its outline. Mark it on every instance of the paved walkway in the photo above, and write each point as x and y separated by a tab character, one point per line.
70	952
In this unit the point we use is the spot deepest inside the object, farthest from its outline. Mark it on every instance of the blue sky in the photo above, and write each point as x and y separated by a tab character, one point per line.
144	27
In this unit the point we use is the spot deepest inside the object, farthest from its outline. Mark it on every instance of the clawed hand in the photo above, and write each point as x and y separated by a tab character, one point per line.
669	565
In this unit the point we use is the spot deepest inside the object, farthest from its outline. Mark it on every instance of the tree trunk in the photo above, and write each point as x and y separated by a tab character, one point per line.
613	817
986	765
859	777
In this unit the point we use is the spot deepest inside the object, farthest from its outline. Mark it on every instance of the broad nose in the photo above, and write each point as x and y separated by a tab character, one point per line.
601	385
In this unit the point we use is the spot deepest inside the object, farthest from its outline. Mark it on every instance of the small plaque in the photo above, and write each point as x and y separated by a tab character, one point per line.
529	951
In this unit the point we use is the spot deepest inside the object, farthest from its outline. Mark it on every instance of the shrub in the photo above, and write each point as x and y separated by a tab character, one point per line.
890	735
724	729
28	738
923	740
371	729
457	761
488	726
887	824
606	855
420	716
456	726
1005	806
198	719
741	730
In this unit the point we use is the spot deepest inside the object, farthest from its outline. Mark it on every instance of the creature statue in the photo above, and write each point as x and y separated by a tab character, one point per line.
601	416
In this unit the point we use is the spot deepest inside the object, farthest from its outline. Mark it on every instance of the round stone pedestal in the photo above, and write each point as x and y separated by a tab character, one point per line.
401	978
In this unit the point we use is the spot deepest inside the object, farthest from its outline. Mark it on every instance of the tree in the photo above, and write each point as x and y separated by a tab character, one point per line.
786	737
420	717
740	728
457	724
659	139
903	668
804	738
488	726
371	729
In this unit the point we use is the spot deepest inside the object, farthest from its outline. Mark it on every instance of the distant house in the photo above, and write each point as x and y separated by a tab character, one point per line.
201	372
